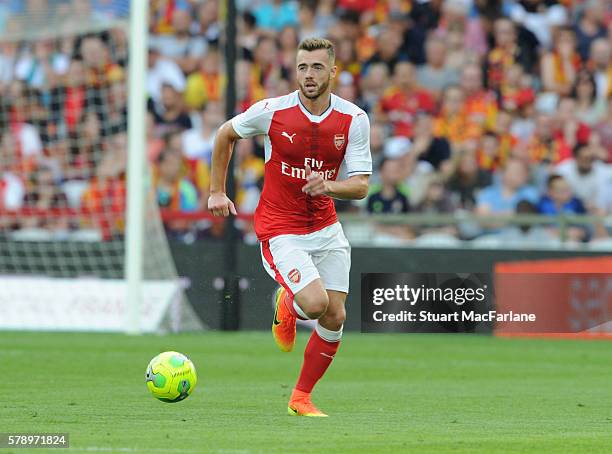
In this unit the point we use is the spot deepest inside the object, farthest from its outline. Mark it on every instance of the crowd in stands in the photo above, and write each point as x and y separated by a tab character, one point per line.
488	107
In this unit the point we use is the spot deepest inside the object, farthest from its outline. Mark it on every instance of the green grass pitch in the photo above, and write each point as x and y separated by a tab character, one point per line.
384	393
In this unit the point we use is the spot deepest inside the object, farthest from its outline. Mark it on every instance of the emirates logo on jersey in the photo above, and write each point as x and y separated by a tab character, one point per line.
294	276
339	141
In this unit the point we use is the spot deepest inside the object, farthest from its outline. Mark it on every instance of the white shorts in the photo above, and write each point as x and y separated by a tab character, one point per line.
294	261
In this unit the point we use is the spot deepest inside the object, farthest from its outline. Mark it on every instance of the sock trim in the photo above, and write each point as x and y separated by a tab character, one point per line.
327	334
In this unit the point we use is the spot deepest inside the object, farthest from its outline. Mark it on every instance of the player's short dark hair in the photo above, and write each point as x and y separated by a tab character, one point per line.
311	44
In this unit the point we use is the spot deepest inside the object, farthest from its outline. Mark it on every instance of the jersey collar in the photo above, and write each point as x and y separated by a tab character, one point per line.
316	118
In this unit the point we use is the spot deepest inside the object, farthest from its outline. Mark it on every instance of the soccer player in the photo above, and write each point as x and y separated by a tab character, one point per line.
308	134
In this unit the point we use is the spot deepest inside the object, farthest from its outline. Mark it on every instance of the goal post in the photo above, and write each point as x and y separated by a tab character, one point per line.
136	180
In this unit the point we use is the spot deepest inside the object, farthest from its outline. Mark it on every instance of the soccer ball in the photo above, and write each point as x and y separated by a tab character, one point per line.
171	377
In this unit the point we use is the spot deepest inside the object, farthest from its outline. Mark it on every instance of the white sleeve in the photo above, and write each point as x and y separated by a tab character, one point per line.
254	121
357	157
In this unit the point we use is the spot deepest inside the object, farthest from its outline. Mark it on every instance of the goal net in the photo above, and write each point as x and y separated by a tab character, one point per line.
63	154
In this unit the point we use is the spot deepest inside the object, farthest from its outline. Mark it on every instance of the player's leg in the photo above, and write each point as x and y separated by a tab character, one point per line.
294	270
333	266
318	355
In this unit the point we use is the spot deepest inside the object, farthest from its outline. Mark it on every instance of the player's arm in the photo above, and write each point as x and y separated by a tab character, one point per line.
255	121
358	160
353	188
218	202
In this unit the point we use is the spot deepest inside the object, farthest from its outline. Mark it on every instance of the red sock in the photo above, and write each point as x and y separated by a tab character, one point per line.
288	301
318	356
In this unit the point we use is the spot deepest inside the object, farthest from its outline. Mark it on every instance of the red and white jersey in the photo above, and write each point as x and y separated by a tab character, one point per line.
293	139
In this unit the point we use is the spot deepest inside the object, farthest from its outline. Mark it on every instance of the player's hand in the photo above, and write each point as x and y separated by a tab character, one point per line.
315	185
220	205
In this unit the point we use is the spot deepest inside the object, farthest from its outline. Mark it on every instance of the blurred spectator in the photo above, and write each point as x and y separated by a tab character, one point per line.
388	45
184	48
8	59
489	152
86	146
346	59
162	71
428	147
502	197
539	17
105	195
207	23
247	35
99	68
115	118
170	111
546	145
374	83
453	122
118	46
174	191
43	66
507	140
590	26
589	108
480	105
276	14
600	63
559	198
434	75
437	198
508	50
265	67
44	194
311	25
207	83
458	53
516	92
560	65
467	178
604	131
198	142
378	133
196	171
288	41
390	196
250	177
12	190
161	13
588	177
401	101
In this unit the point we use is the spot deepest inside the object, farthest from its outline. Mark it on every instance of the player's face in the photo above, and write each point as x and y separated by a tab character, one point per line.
314	72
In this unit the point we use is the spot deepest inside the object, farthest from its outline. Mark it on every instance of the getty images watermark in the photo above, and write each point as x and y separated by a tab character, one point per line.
431	302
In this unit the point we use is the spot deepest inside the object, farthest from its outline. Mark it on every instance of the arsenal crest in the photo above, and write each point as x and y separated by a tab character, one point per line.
339	140
294	276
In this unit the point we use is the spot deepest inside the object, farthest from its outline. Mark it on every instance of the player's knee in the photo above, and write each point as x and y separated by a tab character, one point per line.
335	319
315	307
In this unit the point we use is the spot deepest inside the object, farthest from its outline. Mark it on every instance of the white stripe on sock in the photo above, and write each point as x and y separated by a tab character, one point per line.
329	335
299	310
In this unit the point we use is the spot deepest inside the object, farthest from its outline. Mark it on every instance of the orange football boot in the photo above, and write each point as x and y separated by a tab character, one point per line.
300	405
283	324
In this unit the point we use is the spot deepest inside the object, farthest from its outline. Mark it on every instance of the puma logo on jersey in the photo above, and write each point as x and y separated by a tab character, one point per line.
290	137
